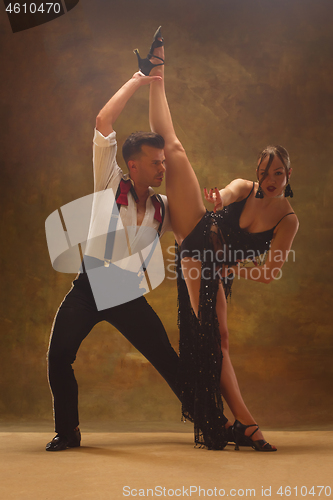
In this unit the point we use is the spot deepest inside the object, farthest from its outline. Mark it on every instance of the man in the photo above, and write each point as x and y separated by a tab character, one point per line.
136	320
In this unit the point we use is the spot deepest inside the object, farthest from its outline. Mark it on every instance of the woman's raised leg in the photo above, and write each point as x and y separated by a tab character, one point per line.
182	186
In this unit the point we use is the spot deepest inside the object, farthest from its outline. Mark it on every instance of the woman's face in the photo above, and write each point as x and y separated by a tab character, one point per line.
276	179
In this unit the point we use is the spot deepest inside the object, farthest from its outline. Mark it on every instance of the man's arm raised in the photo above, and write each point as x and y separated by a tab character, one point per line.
112	109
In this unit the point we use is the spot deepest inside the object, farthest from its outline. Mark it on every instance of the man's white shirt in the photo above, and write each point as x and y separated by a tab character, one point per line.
129	238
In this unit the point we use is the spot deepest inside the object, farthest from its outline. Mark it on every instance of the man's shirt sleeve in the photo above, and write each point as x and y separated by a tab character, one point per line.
104	160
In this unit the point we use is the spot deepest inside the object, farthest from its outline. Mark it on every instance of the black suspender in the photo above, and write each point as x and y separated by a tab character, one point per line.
159	199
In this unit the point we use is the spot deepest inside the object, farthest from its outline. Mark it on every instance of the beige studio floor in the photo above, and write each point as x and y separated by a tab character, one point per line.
116	465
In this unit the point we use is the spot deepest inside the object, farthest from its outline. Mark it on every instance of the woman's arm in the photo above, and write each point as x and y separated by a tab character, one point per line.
277	255
235	191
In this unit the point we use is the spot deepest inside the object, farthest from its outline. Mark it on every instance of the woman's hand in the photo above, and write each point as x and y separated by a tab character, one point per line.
214	196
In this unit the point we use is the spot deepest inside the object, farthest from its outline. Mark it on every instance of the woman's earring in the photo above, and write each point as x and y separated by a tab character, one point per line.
259	193
288	191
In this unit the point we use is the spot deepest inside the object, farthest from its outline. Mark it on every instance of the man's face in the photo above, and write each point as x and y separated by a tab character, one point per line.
149	167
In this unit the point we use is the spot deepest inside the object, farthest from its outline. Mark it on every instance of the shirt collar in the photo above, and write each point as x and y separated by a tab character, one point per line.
127	177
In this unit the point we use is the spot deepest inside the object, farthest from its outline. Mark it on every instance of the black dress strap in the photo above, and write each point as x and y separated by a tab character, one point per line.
249	193
290	213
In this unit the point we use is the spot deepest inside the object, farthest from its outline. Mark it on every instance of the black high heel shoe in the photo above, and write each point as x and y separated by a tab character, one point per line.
145	65
231	437
239	434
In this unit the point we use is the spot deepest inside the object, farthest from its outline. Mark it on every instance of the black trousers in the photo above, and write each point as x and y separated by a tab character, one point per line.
77	315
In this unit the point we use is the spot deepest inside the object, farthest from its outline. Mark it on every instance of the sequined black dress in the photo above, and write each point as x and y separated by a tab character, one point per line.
217	240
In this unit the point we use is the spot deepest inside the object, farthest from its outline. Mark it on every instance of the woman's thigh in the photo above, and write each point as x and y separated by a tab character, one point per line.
192	270
183	191
192	274
221	311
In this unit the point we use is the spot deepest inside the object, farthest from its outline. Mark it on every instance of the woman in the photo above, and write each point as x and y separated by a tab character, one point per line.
249	217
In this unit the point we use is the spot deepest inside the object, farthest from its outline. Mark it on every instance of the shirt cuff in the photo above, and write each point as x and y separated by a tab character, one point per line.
102	141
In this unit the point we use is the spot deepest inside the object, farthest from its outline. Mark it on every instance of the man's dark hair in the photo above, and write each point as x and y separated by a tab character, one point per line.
134	142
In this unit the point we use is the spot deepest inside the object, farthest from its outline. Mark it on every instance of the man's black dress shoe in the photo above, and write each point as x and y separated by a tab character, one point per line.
61	442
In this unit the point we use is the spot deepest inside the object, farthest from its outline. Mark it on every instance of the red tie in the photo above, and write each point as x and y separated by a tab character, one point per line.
125	187
157	206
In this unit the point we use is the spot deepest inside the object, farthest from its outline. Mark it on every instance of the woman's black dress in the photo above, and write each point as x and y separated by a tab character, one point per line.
217	241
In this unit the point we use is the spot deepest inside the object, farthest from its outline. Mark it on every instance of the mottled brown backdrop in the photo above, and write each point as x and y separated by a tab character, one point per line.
240	74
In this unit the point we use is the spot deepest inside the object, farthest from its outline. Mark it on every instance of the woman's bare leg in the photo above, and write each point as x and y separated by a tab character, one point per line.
229	384
182	186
